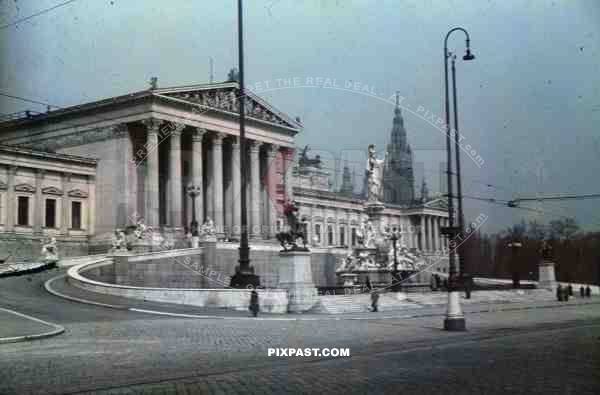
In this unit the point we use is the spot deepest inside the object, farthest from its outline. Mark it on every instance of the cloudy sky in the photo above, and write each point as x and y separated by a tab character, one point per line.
529	105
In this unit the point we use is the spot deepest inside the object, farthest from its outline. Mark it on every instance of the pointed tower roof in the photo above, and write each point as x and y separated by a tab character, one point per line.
424	191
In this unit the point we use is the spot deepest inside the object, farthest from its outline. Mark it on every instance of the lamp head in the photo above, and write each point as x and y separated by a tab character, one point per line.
468	55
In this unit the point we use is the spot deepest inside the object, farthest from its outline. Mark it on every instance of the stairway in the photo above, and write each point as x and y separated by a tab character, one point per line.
361	303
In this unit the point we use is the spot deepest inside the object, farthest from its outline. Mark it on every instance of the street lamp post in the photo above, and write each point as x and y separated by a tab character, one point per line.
244	276
516	278
394	236
454	320
194	191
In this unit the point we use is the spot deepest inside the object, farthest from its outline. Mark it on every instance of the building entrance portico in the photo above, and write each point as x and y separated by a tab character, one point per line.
153	144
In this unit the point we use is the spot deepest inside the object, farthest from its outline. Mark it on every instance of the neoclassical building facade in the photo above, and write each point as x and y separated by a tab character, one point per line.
134	156
151	145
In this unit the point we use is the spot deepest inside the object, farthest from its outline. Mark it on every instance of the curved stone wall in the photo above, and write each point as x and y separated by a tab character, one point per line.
271	300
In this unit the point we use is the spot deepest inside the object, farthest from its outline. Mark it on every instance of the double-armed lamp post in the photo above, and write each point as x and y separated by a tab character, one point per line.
455	320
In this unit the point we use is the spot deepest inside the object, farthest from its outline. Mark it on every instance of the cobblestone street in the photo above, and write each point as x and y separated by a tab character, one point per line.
549	350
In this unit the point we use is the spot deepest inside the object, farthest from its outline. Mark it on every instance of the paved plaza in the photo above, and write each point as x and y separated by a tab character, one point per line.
553	349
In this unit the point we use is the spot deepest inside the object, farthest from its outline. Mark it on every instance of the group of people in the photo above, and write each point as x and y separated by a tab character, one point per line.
563	293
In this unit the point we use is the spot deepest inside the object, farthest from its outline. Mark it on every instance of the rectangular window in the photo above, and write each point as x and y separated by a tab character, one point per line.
75	215
23	211
342	236
50	213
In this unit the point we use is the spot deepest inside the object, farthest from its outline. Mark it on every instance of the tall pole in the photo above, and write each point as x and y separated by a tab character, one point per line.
244	276
454	320
461	218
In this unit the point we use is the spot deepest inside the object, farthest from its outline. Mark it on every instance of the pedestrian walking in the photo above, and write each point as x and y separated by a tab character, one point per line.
254	306
369	286
581	291
374	301
559	293
570	290
588	292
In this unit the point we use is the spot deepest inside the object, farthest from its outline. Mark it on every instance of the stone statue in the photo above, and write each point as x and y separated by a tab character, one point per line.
365	235
207	231
374	175
118	241
49	250
293	230
305	161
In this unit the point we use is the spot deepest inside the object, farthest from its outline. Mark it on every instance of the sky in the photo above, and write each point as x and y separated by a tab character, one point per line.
528	105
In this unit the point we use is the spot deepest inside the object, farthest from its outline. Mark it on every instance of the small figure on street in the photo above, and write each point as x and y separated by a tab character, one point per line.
570	290
565	292
368	283
588	292
559	293
374	301
254	306
581	291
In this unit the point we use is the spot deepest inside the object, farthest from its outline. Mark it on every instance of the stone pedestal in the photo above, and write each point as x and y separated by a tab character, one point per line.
547	277
376	217
295	275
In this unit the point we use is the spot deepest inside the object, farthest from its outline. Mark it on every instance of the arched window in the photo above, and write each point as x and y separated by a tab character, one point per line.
353	236
318	233
330	235
342	236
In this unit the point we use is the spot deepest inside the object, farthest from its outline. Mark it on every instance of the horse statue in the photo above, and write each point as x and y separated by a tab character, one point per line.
288	238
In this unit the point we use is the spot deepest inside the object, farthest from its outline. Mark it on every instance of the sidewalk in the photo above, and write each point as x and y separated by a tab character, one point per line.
15	327
61	288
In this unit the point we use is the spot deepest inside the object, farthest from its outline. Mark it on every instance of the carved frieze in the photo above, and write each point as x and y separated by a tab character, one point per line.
227	99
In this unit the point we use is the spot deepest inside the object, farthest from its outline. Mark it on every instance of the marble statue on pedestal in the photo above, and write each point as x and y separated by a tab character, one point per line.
119	243
49	251
207	231
374	175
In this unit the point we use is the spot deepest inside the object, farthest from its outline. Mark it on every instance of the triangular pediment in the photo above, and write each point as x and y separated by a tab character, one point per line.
52	191
25	188
225	98
437	204
77	193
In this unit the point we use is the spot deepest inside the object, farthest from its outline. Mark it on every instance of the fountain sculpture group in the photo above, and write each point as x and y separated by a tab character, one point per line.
377	254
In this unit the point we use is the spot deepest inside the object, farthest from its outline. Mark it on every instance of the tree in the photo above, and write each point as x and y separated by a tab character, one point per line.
563	229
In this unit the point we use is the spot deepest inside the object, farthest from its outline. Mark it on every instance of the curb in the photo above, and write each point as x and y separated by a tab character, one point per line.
58	329
48	287
36	269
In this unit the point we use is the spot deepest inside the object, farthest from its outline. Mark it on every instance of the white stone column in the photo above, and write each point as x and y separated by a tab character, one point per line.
65	205
11	199
39	203
272	193
255	204
91	181
217	175
436	233
423	244
197	178
176	188
430	232
208	202
236	185
151	185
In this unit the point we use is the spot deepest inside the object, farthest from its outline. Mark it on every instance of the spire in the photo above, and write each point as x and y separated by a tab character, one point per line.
347	187
424	192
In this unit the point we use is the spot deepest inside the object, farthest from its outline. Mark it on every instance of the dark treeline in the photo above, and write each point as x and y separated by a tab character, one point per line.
576	253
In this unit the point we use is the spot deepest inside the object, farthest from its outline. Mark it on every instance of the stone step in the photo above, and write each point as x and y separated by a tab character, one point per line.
76	260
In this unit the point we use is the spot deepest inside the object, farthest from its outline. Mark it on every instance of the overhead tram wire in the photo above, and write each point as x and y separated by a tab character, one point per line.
44	11
29	100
